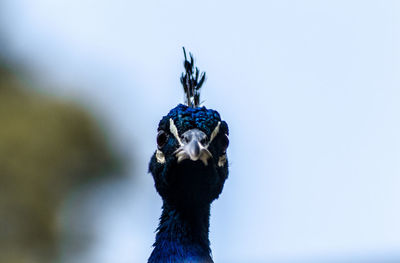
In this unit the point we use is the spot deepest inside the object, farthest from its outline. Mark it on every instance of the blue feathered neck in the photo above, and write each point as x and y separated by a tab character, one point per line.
182	235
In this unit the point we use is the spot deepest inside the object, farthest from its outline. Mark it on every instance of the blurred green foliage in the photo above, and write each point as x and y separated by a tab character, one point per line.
47	148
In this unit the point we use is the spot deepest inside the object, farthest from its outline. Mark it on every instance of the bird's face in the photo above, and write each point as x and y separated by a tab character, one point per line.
190	163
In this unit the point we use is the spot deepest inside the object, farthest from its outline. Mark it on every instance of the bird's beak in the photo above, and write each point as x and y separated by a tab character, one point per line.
193	147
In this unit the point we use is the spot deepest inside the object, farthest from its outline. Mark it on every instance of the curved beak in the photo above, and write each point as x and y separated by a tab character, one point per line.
193	147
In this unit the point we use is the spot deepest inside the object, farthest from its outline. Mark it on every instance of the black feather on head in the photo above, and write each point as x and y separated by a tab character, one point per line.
192	81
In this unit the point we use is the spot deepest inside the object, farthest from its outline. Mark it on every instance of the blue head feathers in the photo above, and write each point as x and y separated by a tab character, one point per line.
189	169
186	118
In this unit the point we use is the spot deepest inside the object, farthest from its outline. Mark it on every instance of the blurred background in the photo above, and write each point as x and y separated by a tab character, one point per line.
310	90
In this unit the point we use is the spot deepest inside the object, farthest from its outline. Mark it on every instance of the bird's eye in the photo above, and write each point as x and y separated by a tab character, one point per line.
224	142
162	137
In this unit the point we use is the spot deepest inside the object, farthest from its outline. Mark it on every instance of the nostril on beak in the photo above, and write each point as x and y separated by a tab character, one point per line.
203	141
186	139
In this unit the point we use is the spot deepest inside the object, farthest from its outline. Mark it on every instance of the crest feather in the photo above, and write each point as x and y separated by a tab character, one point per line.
192	80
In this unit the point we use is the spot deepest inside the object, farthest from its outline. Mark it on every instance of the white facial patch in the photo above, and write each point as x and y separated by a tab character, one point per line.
222	160
160	157
174	131
214	134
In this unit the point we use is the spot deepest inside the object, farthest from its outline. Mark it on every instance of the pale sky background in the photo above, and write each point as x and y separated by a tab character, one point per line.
310	90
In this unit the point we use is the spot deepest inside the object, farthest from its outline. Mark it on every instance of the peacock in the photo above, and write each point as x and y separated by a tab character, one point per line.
189	169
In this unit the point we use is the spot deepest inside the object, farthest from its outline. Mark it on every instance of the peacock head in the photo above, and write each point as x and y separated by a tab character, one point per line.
190	163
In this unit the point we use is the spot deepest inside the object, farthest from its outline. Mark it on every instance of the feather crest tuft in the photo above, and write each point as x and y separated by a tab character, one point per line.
192	80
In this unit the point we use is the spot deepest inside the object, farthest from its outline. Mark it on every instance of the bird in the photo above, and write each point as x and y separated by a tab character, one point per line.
189	168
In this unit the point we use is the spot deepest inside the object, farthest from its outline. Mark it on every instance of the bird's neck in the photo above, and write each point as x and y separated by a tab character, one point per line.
183	235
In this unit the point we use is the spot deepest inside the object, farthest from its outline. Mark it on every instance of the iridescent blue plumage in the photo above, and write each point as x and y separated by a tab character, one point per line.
188	118
189	169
